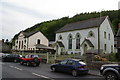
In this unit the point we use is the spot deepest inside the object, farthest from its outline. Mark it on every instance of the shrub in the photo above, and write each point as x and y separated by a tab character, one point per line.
113	57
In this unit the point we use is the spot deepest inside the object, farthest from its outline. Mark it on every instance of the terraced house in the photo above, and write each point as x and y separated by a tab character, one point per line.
30	41
81	36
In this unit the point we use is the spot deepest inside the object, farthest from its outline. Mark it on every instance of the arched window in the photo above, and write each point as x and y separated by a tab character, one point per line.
38	41
70	41
91	34
24	47
60	37
77	41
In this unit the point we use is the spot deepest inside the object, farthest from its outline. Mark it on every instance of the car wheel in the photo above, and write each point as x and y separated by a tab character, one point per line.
53	69
74	73
28	63
15	60
21	62
111	76
35	59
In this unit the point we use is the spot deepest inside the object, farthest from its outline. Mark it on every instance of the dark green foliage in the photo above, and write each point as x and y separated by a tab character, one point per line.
113	57
49	28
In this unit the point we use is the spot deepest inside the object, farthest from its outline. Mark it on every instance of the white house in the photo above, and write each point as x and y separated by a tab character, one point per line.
30	41
78	37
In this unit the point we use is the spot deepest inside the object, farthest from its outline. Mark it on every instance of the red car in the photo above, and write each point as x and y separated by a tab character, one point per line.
30	60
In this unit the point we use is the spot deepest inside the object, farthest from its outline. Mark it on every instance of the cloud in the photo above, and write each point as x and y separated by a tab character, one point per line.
27	11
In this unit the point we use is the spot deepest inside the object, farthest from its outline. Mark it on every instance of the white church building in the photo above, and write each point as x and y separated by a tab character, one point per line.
78	37
30	41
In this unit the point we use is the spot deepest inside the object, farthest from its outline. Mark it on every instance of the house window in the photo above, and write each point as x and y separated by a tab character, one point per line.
111	48
91	34
16	41
109	36
70	42
19	44
22	45
77	41
60	37
105	47
104	34
25	41
38	41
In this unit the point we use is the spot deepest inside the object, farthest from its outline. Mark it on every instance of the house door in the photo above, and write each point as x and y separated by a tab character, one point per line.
85	48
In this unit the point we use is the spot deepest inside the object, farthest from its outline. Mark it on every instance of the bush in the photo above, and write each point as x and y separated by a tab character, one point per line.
113	57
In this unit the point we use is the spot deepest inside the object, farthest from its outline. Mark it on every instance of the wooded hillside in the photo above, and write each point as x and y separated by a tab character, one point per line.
48	28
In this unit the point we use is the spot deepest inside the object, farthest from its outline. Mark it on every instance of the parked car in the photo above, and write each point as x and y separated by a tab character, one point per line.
11	57
30	60
110	71
73	66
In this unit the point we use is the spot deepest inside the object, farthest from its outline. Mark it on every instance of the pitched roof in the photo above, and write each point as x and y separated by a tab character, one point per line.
89	42
118	33
28	34
94	22
41	46
60	44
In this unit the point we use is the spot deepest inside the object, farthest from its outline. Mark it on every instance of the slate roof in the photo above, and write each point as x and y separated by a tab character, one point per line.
60	44
89	42
28	34
118	33
94	22
41	46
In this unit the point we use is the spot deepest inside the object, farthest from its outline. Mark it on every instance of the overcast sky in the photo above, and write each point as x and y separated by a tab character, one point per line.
17	15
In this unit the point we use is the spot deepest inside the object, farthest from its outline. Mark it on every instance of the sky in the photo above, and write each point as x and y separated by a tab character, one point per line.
18	15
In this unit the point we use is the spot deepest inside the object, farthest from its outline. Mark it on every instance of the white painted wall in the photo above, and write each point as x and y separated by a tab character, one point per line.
105	26
20	39
83	33
33	40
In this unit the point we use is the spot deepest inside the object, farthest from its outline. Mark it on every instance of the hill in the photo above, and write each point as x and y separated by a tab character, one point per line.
48	28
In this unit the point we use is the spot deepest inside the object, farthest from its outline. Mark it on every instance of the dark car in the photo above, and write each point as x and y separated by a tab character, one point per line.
31	59
73	66
11	57
110	71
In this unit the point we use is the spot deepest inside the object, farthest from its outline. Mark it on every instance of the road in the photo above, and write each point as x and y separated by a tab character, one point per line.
15	71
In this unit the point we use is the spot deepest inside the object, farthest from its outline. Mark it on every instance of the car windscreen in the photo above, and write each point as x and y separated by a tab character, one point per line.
35	56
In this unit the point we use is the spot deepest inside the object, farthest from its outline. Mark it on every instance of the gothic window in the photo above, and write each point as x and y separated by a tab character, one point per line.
25	41
70	41
109	36
91	34
104	34
77	41
19	44
105	47
38	41
22	45
60	37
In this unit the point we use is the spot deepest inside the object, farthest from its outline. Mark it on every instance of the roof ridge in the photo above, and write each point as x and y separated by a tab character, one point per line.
88	19
82	24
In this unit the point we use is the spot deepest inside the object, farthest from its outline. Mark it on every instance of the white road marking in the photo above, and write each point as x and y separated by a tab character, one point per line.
42	76
16	68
